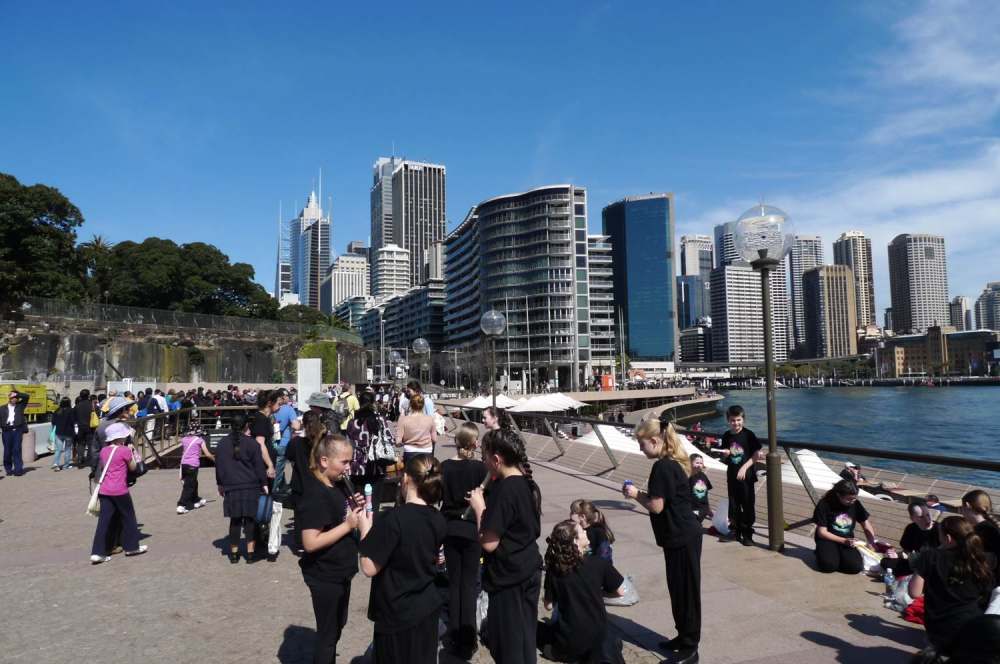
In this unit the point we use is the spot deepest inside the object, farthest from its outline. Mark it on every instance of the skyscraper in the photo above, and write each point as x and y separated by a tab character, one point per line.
641	229
830	316
347	278
807	253
918	282
392	271
381	202
600	270
960	312
697	256
854	250
303	254
418	211
988	307
737	314
725	244
694	299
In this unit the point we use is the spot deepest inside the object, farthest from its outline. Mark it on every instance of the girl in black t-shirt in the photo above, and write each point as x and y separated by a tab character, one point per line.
592	520
955	579
329	516
835	516
400	552
575	584
509	524
462	551
676	529
977	508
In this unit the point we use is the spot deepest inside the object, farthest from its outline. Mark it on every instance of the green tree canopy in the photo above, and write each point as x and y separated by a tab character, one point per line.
299	313
37	244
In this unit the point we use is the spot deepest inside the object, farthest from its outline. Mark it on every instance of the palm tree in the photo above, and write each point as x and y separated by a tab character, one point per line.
96	254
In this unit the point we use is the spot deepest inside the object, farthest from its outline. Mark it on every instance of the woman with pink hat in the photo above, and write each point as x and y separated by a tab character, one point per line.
116	459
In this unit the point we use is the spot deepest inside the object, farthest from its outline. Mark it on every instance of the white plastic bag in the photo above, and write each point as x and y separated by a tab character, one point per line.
630	597
721	519
994	607
274	529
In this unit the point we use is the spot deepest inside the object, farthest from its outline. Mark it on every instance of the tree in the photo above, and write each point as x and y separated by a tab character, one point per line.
300	313
37	244
95	256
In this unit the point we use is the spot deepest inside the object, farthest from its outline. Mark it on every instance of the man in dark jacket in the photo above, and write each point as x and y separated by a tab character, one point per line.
84	407
14	426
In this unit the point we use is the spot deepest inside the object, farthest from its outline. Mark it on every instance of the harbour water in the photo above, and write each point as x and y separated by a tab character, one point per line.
958	421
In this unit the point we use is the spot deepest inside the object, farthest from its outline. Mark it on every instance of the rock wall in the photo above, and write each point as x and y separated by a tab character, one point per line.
50	350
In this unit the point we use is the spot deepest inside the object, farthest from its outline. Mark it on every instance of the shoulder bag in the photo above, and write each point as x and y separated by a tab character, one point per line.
94	505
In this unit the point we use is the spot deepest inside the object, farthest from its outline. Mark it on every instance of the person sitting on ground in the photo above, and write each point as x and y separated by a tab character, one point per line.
852	473
835	516
575	584
922	532
934	503
700	486
977	508
592	520
955	580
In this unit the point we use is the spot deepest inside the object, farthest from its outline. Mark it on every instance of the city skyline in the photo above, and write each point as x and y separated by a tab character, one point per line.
208	152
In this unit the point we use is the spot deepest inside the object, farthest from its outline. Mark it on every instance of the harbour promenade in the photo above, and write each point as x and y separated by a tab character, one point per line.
184	602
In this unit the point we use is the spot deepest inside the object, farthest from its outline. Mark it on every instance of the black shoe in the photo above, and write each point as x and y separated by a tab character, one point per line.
252	558
746	540
234	557
686	656
668	646
272	557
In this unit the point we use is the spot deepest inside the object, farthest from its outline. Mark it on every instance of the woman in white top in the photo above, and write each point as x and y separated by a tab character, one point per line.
417	431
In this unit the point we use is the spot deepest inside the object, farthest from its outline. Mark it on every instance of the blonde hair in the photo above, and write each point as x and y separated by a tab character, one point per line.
465	439
979	502
672	447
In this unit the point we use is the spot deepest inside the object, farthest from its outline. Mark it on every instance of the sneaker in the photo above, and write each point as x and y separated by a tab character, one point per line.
138	552
97	560
182	510
56	468
200	503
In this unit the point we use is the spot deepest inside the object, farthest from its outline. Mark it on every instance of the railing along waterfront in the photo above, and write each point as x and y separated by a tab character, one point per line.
157	435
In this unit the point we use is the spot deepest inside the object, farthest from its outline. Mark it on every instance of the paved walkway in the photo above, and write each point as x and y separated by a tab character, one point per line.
183	601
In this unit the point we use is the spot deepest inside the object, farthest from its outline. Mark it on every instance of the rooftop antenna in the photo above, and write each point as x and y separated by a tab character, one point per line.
394	150
321	187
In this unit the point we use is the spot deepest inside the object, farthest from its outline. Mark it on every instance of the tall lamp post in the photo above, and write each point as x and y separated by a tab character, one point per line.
492	324
420	348
763	237
395	359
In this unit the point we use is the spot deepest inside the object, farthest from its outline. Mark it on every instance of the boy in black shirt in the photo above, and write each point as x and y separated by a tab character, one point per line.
740	447
700	486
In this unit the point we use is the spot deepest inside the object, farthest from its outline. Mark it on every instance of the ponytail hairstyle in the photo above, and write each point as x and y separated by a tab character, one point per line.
979	503
508	445
841	488
562	555
240	422
970	559
592	516
465	439
672	448
425	472
326	446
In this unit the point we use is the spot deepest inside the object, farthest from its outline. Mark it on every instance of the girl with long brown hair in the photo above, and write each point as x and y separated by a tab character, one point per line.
671	514
977	508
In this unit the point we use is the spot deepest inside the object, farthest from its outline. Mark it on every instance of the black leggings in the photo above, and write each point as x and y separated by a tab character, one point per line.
249	526
462	557
330	600
683	566
835	557
512	622
189	491
414	645
742	508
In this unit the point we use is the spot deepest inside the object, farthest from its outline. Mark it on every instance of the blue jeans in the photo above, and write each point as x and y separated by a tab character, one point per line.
279	467
64	452
12	452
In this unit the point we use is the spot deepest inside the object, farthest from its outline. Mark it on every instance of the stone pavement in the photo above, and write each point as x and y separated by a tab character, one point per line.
183	601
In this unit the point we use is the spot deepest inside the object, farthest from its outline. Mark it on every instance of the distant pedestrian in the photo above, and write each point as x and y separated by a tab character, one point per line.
14	426
64	423
118	457
677	531
86	422
241	476
193	447
417	431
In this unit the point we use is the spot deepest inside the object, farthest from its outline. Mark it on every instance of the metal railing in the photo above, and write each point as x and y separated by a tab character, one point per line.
113	313
156	436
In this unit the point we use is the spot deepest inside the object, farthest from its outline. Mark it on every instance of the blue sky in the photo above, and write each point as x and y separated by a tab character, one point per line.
193	120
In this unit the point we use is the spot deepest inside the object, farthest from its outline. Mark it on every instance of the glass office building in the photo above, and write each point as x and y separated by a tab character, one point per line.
641	230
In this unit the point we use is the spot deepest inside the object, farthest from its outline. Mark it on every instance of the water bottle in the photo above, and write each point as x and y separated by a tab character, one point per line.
369	508
628	483
890	583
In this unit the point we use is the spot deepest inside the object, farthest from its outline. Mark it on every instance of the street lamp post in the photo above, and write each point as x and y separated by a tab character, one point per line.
492	324
763	238
421	347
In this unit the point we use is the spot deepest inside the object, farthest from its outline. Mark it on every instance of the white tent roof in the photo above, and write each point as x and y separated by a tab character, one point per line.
503	401
547	403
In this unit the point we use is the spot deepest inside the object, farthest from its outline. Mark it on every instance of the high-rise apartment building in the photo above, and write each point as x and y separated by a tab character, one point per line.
806	254
887	322
525	254
725	244
433	263
694	299
830	316
347	278
918	282
696	342
988	307
600	270
304	254
641	229
392	271
854	250
960	313
737	314
418	211
381	202
697	256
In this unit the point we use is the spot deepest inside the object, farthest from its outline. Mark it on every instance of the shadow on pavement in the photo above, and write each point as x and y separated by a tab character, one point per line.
910	637
849	653
634	633
297	645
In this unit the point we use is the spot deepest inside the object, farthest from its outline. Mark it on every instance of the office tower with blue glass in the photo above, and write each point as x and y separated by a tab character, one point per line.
641	231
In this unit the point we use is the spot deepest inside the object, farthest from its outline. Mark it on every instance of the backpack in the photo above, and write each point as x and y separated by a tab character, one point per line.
340	409
152	405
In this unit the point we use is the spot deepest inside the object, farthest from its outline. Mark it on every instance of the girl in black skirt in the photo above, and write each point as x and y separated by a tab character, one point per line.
462	552
328	515
509	525
676	529
400	552
241	476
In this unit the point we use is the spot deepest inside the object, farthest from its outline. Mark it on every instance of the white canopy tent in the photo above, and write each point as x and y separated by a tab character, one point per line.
547	403
481	402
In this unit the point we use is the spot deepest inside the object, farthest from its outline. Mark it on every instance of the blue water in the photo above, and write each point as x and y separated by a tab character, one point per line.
957	421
